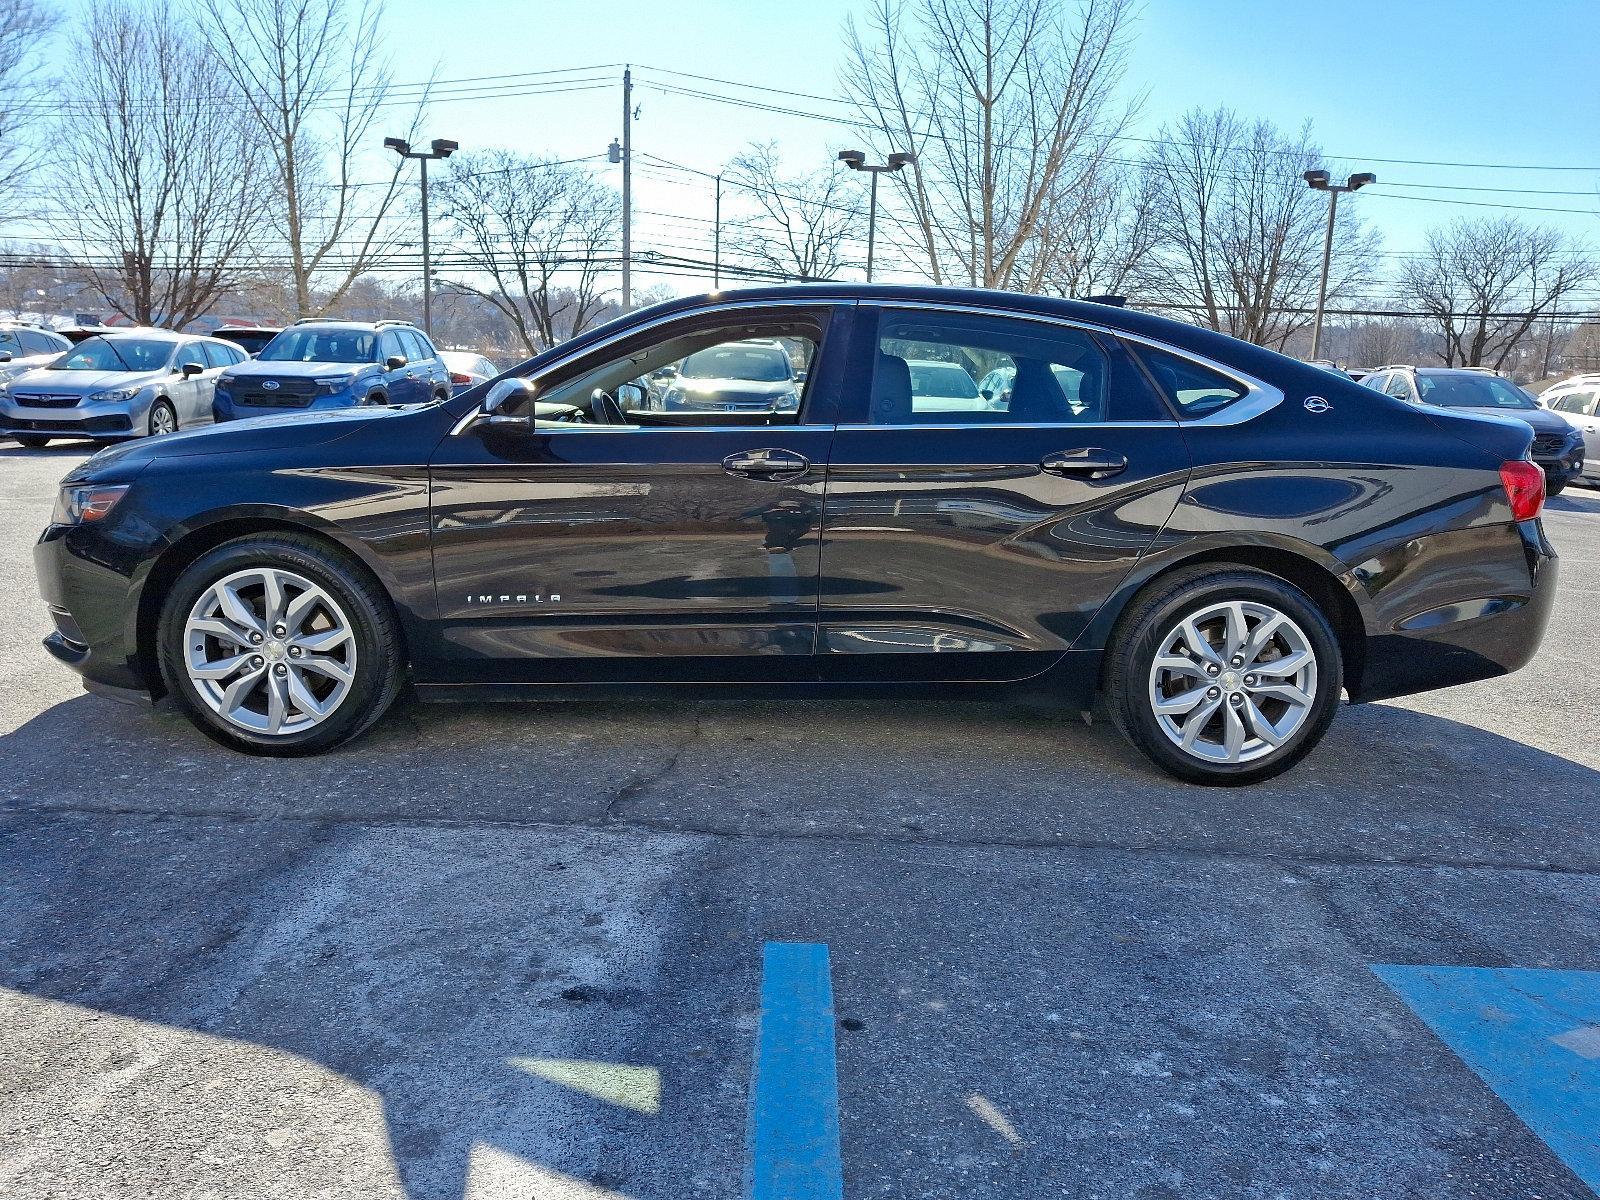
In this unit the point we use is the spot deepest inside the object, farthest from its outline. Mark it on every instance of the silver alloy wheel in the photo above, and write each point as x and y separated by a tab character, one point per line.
1233	681
269	651
162	420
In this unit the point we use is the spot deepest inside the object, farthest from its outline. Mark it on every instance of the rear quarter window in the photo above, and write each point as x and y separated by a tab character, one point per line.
1196	391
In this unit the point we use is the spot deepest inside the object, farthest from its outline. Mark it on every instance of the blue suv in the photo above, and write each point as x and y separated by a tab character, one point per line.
322	363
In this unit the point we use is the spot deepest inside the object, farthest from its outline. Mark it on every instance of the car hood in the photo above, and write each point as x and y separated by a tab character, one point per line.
298	370
748	387
81	383
294	430
1542	419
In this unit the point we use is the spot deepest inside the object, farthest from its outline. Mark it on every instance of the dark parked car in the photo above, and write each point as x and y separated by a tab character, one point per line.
252	339
321	363
1558	445
1214	539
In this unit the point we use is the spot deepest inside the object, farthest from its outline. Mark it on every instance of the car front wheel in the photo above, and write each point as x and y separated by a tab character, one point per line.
1224	675
279	645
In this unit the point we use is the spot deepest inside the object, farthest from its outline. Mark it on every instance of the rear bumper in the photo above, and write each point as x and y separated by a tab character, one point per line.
1492	633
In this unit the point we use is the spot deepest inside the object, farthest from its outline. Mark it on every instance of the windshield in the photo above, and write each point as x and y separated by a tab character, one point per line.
321	346
116	354
944	380
1472	391
759	364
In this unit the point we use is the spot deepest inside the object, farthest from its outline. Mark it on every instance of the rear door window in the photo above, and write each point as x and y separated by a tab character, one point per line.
945	368
417	348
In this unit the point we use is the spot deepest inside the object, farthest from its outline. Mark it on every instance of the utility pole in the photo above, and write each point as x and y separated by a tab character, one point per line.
857	161
1319	181
442	148
627	188
716	241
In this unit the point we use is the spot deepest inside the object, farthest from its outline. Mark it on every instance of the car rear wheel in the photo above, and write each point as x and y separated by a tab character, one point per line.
163	418
279	645
1224	675
32	442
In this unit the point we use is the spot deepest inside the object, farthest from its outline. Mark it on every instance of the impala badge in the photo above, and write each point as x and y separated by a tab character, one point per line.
1316	404
478	598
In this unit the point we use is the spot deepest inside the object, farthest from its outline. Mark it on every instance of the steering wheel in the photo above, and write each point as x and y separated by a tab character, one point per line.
605	407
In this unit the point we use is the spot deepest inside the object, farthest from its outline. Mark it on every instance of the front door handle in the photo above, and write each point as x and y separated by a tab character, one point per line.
1091	462
767	464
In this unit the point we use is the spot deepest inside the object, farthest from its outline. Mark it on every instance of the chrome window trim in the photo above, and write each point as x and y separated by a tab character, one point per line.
856	428
467	421
1260	397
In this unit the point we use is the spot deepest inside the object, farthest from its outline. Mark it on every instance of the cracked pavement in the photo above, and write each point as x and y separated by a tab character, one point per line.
1063	973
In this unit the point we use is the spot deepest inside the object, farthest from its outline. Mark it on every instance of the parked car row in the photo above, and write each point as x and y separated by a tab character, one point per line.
1558	444
127	383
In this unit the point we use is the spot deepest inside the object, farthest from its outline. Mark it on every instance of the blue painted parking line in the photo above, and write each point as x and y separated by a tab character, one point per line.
1533	1036
794	1099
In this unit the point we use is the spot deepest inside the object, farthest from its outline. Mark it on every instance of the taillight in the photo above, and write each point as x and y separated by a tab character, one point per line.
458	377
1524	483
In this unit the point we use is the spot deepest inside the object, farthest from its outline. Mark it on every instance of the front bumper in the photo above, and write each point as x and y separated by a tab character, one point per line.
225	408
93	607
108	422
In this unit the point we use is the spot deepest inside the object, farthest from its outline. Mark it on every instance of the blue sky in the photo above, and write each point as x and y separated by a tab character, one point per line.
1480	81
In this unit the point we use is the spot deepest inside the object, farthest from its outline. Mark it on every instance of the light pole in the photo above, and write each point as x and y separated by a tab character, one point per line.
1321	181
441	149
857	161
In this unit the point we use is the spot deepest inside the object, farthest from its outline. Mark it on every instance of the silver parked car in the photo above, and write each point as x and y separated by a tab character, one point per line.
117	386
25	347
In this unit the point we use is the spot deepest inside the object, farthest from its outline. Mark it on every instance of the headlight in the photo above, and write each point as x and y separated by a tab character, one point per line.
114	395
81	505
336	383
788	402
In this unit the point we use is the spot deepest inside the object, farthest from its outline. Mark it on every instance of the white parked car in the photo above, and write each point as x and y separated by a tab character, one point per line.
24	347
467	369
1578	400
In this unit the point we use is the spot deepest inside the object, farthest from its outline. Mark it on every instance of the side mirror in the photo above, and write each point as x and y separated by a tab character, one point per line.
631	397
667	372
987	393
509	402
5	356
394	362
190	370
800	375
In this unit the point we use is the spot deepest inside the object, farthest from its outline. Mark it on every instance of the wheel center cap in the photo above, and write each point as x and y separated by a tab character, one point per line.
275	651
1230	680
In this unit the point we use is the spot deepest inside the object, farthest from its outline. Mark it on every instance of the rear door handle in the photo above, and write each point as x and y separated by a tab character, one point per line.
1091	462
767	464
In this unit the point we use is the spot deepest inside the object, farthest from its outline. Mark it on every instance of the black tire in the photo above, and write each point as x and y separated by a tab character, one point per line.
1154	614
32	441
380	655
164	406
1555	489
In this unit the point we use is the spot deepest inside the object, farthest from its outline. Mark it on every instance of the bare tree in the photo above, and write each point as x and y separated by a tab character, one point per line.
1376	341
1484	282
158	178
804	223
24	25
1100	243
1237	233
1009	106
313	76
535	238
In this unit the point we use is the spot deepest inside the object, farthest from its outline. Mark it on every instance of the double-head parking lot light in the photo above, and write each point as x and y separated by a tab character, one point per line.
439	148
1321	181
856	160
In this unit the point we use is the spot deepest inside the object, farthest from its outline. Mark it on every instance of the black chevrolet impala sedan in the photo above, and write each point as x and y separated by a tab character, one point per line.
1211	542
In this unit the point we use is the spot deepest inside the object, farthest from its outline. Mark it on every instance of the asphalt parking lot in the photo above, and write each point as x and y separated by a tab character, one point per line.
518	951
